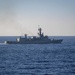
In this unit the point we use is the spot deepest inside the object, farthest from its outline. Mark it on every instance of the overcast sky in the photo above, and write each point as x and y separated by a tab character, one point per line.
56	17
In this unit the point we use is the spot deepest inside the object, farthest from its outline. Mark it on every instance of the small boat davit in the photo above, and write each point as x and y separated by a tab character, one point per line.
40	39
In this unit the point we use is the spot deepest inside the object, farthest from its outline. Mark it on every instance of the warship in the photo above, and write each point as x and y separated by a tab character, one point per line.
40	39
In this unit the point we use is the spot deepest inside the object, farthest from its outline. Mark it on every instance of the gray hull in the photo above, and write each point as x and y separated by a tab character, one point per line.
36	42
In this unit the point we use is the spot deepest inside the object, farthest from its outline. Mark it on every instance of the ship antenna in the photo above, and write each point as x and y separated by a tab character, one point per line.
38	26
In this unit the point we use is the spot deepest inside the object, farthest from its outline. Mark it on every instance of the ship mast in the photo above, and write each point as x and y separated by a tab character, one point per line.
39	31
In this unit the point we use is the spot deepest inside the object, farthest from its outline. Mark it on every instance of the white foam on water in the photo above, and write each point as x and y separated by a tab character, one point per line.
3	43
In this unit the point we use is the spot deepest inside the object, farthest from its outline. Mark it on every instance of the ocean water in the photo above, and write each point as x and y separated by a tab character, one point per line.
38	59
